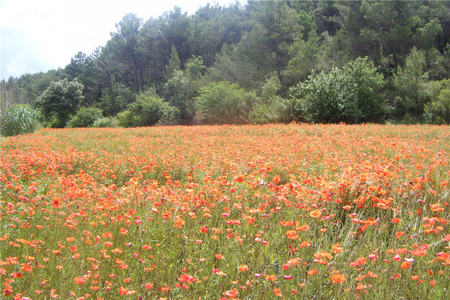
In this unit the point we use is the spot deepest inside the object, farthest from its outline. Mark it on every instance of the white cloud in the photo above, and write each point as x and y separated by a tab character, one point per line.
42	35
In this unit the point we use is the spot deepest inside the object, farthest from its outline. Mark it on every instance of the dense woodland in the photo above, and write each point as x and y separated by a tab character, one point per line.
262	62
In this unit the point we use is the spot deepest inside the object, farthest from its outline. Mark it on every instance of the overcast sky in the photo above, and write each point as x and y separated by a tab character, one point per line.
39	35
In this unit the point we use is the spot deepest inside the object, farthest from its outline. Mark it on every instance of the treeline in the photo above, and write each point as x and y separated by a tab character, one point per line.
266	61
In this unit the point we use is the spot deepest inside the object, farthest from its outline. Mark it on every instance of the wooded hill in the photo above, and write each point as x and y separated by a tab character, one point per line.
265	61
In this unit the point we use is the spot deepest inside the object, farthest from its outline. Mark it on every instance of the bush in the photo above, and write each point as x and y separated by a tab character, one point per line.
270	108
325	98
19	119
127	119
437	111
351	95
105	122
224	103
147	110
85	117
276	111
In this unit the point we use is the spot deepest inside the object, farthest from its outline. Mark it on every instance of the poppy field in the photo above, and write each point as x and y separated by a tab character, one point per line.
210	212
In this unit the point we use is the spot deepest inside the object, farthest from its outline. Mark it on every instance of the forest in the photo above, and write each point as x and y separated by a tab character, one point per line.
255	63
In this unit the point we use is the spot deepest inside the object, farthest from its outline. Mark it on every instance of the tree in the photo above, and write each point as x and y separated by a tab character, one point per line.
244	44
124	50
175	28
233	66
275	27
59	101
153	52
174	62
264	49
304	59
214	26
367	84
410	83
181	89
115	99
85	68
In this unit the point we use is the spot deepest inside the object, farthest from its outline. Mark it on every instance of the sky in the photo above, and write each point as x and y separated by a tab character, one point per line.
40	35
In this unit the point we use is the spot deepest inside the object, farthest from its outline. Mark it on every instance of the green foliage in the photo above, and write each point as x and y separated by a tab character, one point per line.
271	87
105	122
214	26
324	98
438	64
437	111
25	89
85	69
59	101
85	117
410	83
366	85
351	95
123	57
127	119
275	111
148	110
195	68
180	93
20	118
224	103
270	108
182	87
174	62
116	99
176	54
304	59
233	66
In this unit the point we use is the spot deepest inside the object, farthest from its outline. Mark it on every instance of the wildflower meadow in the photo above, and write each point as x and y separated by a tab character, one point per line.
252	212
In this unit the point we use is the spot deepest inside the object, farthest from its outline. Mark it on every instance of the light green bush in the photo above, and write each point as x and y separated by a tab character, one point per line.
105	122
148	110
85	117
224	103
437	111
269	107
351	94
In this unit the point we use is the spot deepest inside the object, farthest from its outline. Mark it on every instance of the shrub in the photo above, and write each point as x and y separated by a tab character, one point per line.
437	111
105	122
275	111
224	103
127	119
325	98
147	110
270	108
351	95
19	119
85	117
